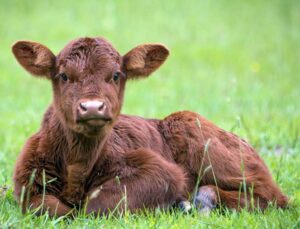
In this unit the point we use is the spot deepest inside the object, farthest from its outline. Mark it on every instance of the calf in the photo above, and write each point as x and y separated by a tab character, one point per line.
88	154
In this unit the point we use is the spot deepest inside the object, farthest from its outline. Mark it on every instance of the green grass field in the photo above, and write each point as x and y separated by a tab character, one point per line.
234	62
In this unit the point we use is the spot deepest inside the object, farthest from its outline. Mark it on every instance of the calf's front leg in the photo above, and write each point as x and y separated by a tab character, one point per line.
147	180
32	170
50	204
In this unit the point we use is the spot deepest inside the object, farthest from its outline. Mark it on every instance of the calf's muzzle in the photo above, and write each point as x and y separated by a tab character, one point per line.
92	110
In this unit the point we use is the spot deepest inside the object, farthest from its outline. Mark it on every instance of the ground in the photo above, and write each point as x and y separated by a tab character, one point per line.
234	62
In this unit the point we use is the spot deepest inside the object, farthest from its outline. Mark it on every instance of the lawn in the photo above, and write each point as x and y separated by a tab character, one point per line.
234	62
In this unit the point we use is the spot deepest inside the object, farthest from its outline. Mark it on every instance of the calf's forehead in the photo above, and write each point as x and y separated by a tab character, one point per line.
88	54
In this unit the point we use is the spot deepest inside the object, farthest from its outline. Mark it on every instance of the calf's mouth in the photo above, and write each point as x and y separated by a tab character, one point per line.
94	121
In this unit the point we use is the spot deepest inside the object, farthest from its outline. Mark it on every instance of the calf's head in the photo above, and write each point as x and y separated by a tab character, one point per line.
88	78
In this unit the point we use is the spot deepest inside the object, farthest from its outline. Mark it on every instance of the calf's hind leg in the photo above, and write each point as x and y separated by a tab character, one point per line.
148	181
209	196
233	165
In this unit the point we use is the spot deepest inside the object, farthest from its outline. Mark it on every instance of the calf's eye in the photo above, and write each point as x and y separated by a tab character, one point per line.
116	76
63	76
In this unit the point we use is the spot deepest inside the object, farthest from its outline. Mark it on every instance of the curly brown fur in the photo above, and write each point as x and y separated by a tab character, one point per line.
74	161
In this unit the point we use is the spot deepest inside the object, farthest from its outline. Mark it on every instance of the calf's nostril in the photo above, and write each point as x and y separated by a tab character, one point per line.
83	106
101	106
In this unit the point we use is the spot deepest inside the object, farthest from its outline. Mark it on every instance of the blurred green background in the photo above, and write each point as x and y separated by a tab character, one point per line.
234	62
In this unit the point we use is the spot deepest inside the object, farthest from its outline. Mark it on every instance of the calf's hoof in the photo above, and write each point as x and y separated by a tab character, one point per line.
206	199
185	206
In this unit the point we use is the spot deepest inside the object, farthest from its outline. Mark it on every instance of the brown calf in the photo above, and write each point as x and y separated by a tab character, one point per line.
86	152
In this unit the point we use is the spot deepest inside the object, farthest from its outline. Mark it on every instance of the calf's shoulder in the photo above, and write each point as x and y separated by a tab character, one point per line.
42	151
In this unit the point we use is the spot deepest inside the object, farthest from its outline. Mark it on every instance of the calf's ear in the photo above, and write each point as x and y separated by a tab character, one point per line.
144	59
37	59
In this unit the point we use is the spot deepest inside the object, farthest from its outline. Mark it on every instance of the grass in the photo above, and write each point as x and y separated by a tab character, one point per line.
234	62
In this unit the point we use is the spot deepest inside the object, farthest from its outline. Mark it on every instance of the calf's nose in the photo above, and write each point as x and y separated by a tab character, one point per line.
91	109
